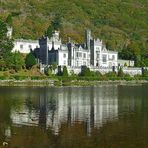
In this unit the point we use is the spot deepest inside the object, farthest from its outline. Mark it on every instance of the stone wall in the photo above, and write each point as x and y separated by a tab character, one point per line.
127	70
131	71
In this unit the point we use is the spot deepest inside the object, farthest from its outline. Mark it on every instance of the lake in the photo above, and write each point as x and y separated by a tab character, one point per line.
106	116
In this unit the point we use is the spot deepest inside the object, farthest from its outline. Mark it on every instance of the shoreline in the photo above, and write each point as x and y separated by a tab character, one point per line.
54	83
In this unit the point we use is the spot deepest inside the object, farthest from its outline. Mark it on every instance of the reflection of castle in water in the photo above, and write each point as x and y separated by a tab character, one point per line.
95	106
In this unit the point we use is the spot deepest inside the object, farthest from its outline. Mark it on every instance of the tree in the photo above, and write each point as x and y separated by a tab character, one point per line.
65	72
120	72
56	23
54	67
145	73
9	20
18	61
85	71
30	60
49	31
6	46
48	71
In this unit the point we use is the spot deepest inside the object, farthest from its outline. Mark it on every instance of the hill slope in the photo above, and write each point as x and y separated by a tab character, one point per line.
122	24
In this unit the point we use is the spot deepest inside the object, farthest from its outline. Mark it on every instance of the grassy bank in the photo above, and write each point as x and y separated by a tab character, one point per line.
34	78
67	81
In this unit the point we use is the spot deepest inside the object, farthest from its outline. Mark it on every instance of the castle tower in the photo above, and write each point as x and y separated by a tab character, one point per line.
9	32
43	50
56	36
88	37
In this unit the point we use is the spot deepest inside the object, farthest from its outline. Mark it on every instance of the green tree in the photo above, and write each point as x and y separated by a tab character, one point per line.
65	72
54	66
145	72
85	71
56	23
9	60
30	60
18	61
6	46
49	31
120	72
48	71
9	20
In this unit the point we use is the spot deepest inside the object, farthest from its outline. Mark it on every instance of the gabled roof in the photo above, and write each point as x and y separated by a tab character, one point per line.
80	45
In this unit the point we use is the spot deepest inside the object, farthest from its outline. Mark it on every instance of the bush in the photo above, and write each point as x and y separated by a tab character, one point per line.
17	77
6	74
127	77
3	78
65	72
12	71
37	77
111	74
145	73
48	71
120	72
30	60
85	71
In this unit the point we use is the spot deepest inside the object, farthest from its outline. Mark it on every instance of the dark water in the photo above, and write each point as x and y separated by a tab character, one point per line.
107	116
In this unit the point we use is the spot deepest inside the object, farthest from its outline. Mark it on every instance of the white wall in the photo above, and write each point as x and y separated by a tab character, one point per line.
56	45
63	58
23	46
80	59
33	43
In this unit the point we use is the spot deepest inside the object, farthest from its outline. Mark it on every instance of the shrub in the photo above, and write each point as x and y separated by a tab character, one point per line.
17	77
48	71
12	71
85	71
120	72
6	74
145	73
2	78
65	72
111	74
30	60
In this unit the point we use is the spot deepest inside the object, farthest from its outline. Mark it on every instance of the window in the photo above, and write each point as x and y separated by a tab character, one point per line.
84	63
84	55
77	64
80	54
98	49
77	54
104	58
64	55
113	57
64	62
21	46
98	56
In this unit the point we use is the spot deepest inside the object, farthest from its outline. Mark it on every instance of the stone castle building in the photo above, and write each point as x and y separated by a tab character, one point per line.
91	53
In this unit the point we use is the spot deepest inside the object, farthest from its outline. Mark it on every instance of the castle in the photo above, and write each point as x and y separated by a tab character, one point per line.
91	53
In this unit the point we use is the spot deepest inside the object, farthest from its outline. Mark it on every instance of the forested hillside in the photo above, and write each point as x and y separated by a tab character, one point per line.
121	24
